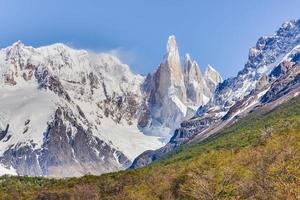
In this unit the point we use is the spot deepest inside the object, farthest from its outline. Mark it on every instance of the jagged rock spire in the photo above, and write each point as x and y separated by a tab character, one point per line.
172	66
175	92
191	68
169	76
212	77
172	44
197	91
167	99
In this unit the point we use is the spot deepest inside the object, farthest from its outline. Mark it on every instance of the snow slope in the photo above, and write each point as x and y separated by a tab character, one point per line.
27	111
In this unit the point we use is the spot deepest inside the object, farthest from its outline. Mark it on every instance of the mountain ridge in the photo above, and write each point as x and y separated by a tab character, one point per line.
239	95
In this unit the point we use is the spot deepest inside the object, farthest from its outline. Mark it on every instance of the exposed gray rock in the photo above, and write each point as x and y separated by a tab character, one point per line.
212	78
4	132
262	83
172	94
197	90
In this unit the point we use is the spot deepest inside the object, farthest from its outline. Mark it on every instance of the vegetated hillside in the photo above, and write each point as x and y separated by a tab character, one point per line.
256	158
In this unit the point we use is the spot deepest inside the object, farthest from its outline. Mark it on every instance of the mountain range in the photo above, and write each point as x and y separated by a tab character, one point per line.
67	112
176	133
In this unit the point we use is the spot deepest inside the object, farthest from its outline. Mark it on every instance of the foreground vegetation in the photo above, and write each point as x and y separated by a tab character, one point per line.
257	158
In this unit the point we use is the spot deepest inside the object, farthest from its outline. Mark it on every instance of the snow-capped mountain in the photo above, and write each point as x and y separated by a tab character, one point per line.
270	77
67	112
268	53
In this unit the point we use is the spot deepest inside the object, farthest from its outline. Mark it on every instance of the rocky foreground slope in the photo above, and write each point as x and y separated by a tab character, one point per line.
67	112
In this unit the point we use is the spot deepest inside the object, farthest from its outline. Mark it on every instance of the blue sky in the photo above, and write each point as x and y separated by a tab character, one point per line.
214	32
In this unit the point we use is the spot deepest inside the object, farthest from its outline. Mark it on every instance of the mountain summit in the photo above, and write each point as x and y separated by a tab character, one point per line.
173	93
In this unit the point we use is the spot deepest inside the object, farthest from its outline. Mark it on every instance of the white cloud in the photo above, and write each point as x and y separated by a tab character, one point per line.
127	56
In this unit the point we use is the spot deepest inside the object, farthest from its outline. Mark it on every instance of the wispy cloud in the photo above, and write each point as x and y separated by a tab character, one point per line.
127	56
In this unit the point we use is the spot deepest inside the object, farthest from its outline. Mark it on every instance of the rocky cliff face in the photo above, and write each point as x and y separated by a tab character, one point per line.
199	87
173	93
212	78
270	77
166	95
